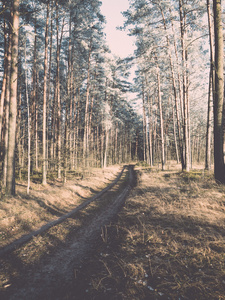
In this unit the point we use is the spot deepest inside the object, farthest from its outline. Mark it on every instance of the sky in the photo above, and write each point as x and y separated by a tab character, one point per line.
119	42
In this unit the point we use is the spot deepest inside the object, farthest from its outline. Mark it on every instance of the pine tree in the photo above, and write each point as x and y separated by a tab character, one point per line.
10	179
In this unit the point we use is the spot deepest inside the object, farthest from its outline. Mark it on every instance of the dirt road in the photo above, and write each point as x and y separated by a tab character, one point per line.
55	272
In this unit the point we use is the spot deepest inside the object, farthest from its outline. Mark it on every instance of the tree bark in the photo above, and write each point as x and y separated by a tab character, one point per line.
175	137
144	124
106	146
211	88
10	182
161	119
149	103
219	93
86	117
59	133
28	121
4	77
7	101
146	140
70	92
44	169
185	97
175	91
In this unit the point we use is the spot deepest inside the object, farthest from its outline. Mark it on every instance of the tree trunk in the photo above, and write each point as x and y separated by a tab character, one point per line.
34	93
149	136
36	127
18	135
144	125
211	88
219	92
106	147
59	133
181	115
70	93
161	119
86	117
175	137
44	169
185	97
28	121
50	103
150	130
4	78
7	101
10	183
175	91
145	132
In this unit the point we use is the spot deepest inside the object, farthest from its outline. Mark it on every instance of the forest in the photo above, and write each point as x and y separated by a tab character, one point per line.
64	96
112	187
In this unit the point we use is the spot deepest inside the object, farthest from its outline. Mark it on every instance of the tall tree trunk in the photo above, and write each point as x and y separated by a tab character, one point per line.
4	77
185	97
179	81
211	88
149	135
106	146
28	121
175	137
86	117
161	118
50	103
70	92
146	141
219	93
209	127
44	169
59	133
34	92
36	127
18	133
174	88
150	130
144	124
10	182
7	101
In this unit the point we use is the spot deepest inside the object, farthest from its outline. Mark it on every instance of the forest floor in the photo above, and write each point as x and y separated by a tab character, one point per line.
167	242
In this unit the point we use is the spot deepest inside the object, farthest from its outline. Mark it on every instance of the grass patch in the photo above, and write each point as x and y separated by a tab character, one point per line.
167	243
24	213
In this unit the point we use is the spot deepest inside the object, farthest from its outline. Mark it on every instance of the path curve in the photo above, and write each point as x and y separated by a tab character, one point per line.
26	238
57	273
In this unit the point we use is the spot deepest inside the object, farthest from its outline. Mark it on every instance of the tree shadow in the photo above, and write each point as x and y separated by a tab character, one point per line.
20	274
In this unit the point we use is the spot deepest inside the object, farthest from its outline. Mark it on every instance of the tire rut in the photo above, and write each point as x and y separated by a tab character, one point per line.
26	238
56	273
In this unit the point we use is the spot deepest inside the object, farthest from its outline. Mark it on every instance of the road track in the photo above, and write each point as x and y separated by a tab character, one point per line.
56	273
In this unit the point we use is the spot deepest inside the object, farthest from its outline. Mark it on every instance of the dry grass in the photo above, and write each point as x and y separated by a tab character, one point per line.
24	213
167	243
